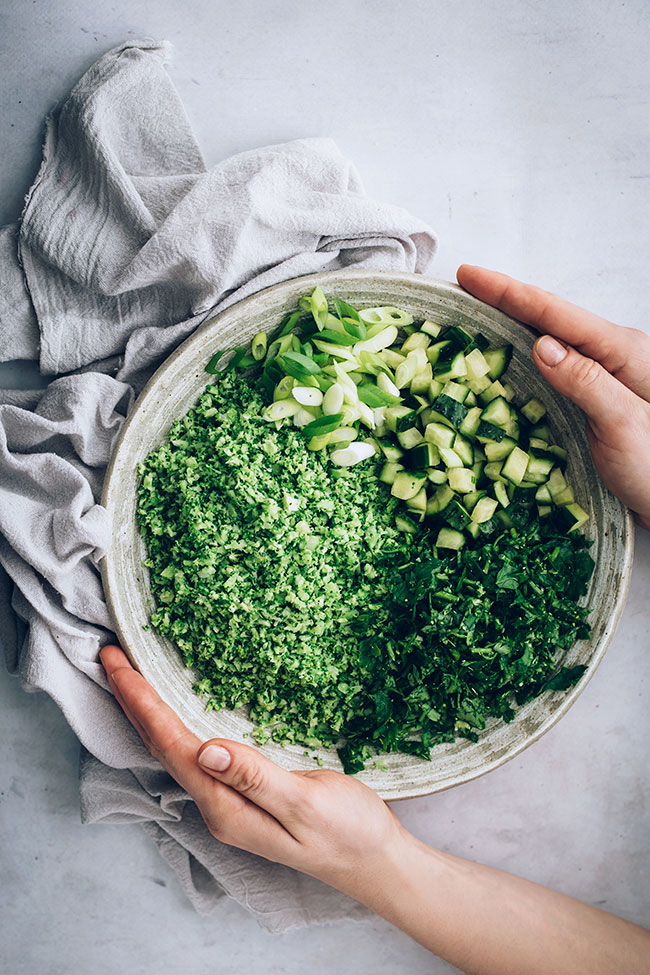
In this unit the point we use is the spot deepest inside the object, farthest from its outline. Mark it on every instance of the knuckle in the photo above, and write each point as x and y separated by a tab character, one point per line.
585	372
248	778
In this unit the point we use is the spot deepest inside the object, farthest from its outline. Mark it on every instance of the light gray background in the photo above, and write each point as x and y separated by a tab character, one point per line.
519	131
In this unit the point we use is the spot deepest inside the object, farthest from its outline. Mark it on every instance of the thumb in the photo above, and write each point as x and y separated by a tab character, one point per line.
253	775
603	398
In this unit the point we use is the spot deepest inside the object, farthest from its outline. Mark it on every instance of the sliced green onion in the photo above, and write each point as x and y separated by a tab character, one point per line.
372	396
216	358
258	346
298	365
307	395
385	314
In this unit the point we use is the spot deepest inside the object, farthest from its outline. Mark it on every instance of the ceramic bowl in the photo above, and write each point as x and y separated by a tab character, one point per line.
174	389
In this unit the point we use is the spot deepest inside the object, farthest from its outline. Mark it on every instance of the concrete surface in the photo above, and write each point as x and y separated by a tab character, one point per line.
518	131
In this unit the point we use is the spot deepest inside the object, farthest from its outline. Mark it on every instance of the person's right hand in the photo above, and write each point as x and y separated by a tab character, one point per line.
604	368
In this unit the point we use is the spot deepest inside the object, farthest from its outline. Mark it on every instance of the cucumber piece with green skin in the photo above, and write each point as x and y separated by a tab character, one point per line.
440	435
390	450
456	391
459	336
473	529
470	499
470	424
470	399
400	418
418	504
424	455
436	475
404	524
515	465
498	360
494	390
450	367
543	510
450	538
523	493
461	479
542	431
439	500
449	457
573	516
406	485
455	515
479	386
431	328
533	410
501	494
410	438
493	471
498	411
499	451
463	447
538	467
490	526
484	509
476	364
436	350
489	431
418	340
543	495
564	497
450	408
389	472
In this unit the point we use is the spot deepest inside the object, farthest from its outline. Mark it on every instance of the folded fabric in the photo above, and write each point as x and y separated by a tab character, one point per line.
127	243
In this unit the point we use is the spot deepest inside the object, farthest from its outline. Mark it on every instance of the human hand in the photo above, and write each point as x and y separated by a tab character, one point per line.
320	822
604	368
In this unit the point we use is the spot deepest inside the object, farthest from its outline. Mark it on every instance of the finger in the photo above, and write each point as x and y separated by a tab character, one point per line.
607	403
256	777
161	729
624	352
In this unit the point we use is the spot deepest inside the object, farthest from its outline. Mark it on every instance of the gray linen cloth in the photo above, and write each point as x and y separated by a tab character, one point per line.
126	244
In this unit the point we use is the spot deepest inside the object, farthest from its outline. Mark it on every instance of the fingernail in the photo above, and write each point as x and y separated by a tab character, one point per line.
550	351
215	757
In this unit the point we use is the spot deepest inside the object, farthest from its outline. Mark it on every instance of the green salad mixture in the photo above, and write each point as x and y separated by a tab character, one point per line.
300	584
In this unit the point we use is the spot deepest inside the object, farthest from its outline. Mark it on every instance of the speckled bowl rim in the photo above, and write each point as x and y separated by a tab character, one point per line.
126	628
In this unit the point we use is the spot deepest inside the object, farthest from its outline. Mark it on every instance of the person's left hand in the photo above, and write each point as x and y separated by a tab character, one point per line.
320	822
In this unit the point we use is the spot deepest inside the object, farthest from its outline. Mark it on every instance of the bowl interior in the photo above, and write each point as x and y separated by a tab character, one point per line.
176	386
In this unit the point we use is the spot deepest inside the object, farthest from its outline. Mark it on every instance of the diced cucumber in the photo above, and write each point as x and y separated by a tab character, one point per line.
498	360
479	386
451	409
470	424
418	340
389	472
400	418
435	389
470	399
578	514
543	495
431	328
542	431
499	451
484	509
450	538
498	412
473	529
538	468
440	435
515	465
461	479
450	367
418	504
404	524
458	336
464	449
564	497
436	475
493	471
556	482
456	391
410	438
406	485
560	453
470	499
439	499
501	494
392	357
508	392
436	350
390	450
455	515
449	457
422	380
545	509
533	410
424	455
488	431
476	364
